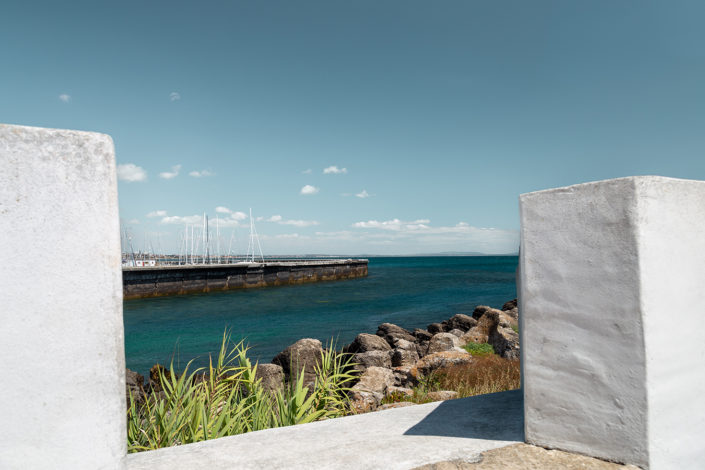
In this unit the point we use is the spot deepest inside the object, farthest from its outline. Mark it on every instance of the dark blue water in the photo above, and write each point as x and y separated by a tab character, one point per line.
411	292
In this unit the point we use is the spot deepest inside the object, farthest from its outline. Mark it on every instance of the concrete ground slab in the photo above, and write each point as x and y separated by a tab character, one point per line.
400	438
528	457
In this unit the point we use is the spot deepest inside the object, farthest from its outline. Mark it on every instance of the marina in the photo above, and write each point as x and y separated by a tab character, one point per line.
162	280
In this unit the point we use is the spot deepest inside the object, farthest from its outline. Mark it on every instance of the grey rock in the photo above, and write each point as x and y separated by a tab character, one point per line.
369	359
375	379
461	322
365	342
422	347
390	332
403	377
457	332
480	310
442	342
368	393
512	304
429	364
404	353
272	376
505	342
422	335
435	328
404	357
304	354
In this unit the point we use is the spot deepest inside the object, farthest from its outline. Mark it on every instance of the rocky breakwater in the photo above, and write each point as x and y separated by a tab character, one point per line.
390	362
394	360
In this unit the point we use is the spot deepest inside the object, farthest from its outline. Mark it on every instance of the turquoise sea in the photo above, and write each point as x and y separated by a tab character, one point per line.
408	291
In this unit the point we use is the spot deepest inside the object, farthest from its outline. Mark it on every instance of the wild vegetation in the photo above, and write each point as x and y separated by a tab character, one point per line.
226	398
489	373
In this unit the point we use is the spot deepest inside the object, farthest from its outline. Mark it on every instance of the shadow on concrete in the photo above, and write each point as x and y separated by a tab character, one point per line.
496	416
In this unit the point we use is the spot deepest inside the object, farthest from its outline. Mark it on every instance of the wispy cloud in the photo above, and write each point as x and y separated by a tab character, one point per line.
235	215
201	174
394	224
183	220
363	194
306	171
131	173
297	223
64	97
167	175
174	96
133	222
157	214
334	170
308	189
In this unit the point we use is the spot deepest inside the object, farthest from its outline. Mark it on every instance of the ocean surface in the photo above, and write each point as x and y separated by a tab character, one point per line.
410	292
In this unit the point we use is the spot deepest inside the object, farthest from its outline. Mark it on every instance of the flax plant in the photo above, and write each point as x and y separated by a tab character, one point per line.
226	398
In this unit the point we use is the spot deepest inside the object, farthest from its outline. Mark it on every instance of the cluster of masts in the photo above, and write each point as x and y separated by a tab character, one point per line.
198	245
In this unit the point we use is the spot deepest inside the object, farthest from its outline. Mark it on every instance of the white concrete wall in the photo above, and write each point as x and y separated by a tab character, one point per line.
671	241
61	341
611	285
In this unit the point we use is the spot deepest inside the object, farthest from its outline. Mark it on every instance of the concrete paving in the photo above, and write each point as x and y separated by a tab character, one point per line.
401	438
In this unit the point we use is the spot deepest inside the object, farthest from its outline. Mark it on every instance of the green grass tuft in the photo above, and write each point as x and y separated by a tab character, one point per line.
479	349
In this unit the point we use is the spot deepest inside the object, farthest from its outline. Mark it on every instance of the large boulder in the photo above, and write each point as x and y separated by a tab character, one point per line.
391	332
435	328
404	353
365	360
431	363
272	376
367	394
480	310
442	342
456	332
460	322
511	308
365	342
422	335
304	354
480	332
505	342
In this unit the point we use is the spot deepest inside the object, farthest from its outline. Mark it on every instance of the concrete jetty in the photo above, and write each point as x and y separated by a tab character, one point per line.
142	282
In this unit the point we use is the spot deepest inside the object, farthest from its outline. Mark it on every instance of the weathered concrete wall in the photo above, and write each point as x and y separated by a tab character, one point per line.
174	280
611	284
61	340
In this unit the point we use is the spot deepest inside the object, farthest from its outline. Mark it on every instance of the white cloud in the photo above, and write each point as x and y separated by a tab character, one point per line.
131	173
363	194
133	222
334	170
394	224
167	175
235	215
201	174
308	189
306	171
157	214
174	96
282	221
65	98
186	220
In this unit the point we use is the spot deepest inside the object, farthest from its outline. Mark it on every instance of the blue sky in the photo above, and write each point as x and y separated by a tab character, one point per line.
436	115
